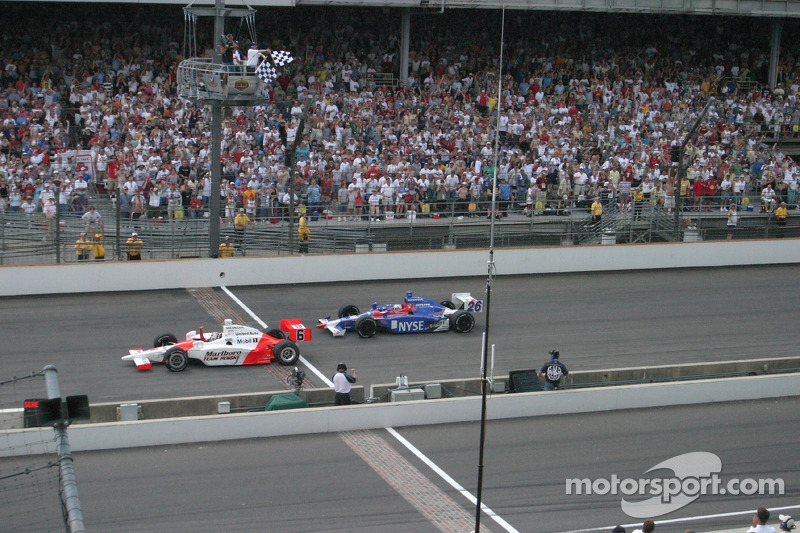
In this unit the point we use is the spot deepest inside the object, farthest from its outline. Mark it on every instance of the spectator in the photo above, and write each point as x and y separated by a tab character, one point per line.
49	211
648	526
91	219
760	522
786	522
733	220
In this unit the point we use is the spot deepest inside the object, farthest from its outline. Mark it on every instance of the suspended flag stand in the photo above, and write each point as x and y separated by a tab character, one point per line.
212	80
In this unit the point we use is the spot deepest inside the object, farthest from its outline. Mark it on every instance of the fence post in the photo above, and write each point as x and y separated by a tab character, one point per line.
68	481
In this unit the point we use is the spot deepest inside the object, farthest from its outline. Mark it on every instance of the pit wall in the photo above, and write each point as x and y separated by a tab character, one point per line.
280	270
335	419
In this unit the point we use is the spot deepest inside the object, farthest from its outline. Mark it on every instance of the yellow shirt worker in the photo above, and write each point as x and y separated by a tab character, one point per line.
226	248
135	245
82	247
597	210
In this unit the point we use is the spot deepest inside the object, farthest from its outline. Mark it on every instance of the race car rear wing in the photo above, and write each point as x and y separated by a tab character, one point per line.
295	329
468	302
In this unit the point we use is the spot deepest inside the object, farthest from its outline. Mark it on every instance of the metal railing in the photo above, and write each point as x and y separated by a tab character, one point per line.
33	239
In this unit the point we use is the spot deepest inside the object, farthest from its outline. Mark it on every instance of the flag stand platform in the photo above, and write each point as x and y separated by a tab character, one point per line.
202	81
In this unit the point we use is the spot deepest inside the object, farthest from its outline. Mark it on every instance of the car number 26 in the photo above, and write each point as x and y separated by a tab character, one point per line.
474	306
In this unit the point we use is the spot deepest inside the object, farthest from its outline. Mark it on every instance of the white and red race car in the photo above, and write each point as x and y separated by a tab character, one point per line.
234	345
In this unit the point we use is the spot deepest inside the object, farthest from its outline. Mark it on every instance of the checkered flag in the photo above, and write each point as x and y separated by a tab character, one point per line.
281	57
266	72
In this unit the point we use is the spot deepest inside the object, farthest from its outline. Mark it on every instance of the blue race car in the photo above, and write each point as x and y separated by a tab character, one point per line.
414	315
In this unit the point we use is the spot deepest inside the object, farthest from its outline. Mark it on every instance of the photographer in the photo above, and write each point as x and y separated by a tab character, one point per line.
342	384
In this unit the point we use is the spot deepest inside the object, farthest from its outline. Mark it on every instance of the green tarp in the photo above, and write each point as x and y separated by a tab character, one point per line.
281	402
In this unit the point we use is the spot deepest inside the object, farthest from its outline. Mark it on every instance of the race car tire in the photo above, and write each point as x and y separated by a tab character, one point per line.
286	353
462	322
448	304
176	359
276	334
366	327
349	310
165	339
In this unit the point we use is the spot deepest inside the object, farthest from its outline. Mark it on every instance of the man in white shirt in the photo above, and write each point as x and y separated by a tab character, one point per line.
760	521
342	384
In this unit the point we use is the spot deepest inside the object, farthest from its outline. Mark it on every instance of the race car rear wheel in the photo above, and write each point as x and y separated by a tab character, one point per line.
462	322
286	352
448	304
176	359
276	334
348	310
366	327
165	339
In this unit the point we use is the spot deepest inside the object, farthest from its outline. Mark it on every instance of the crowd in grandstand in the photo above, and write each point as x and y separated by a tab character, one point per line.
590	106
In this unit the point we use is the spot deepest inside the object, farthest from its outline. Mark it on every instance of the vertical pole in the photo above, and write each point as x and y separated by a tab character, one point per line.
405	40
775	51
69	484
57	235
216	142
489	283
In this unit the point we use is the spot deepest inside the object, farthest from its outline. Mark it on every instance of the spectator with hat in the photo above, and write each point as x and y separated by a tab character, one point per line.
134	244
226	248
787	522
98	249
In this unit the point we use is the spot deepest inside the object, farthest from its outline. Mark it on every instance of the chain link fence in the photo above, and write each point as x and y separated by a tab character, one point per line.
33	239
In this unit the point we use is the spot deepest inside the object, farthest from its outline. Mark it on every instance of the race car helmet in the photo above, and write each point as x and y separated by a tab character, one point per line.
341	367
554	354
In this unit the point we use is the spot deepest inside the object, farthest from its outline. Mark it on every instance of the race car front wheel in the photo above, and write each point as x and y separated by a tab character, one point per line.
366	327
286	352
462	322
165	339
348	310
176	359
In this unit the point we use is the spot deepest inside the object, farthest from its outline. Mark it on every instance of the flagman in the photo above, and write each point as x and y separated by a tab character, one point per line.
255	56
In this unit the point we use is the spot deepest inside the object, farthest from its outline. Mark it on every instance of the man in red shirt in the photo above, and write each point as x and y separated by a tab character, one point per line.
699	190
710	190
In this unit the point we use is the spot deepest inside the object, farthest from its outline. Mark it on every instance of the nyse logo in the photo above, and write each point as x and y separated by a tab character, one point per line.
408	326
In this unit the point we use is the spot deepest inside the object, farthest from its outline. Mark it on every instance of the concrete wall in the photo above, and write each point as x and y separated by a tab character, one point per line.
279	270
334	419
619	376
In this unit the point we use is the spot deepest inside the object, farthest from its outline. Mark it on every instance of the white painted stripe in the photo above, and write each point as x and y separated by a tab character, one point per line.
452	482
241	304
688	519
441	473
314	369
